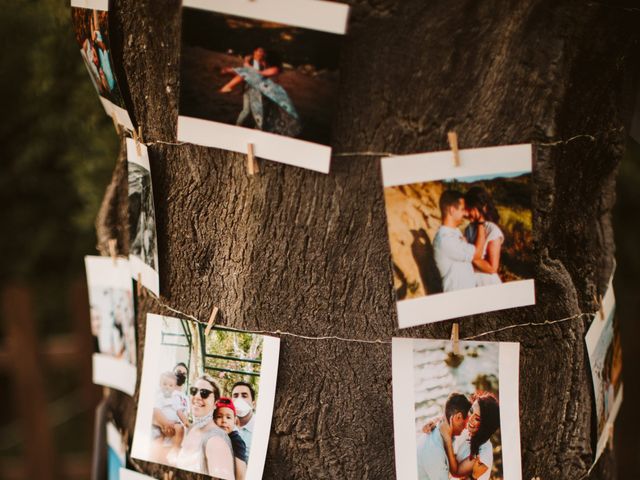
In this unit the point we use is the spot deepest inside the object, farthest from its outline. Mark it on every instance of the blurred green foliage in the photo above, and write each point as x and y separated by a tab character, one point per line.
57	146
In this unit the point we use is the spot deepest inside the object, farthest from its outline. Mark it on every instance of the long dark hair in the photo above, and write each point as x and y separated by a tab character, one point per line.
478	197
489	419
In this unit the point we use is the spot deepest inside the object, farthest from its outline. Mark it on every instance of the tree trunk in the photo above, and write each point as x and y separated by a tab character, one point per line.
302	252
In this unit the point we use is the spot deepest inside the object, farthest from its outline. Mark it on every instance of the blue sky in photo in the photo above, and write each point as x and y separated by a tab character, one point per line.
489	176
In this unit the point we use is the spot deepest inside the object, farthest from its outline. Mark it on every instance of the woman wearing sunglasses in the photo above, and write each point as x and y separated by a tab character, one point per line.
206	448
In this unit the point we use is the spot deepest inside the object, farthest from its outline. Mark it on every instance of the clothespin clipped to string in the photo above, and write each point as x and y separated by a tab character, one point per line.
168	475
212	319
113	249
599	302
252	164
139	288
453	145
455	339
611	436
137	137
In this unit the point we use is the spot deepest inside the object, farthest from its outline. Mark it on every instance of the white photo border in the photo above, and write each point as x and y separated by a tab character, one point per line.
150	277
404	406
591	339
126	474
425	167
91	4
264	406
330	17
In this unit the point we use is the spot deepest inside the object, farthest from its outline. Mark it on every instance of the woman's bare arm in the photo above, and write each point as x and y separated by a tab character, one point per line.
492	263
270	72
220	459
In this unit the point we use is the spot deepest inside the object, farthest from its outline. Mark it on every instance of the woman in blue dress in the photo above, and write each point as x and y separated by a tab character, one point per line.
264	99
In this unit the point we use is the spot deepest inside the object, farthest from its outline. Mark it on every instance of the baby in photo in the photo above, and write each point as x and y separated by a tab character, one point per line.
168	402
226	418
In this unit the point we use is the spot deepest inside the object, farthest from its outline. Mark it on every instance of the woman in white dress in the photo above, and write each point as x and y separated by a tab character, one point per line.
481	211
206	448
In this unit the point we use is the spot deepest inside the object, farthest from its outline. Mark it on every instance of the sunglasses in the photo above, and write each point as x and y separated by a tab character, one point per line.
204	393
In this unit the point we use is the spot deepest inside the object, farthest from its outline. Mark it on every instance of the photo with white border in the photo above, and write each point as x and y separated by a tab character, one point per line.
91	24
461	236
112	322
116	452
455	414
205	402
605	358
143	244
126	474
262	73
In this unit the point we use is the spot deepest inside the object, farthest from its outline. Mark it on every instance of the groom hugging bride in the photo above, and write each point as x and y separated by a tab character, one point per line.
471	259
458	445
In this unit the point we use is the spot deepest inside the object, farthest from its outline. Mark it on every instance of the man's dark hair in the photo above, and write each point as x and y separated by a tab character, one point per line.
245	384
449	198
456	402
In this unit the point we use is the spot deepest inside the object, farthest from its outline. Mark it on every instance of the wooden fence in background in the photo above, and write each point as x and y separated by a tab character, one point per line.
26	359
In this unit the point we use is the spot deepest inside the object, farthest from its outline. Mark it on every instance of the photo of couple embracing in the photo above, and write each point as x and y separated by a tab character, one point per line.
458	443
456	411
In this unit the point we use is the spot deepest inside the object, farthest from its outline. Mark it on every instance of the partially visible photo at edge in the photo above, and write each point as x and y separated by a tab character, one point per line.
112	322
91	26
205	401
247	75
462	410
467	237
116	452
605	358
143	241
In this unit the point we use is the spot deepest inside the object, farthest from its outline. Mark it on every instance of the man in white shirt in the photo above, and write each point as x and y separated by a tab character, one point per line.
452	253
246	417
433	463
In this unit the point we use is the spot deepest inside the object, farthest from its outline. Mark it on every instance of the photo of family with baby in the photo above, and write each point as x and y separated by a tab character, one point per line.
460	233
91	30
199	398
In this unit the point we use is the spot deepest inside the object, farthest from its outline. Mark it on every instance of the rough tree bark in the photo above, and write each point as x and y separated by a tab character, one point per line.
303	252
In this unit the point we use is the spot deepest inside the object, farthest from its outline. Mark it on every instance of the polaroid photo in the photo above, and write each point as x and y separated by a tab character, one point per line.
605	357
460	236
91	25
126	474
112	322
143	246
263	73
205	401
116	452
456	416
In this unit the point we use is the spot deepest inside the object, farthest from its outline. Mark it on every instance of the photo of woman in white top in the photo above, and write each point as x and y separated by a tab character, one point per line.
482	211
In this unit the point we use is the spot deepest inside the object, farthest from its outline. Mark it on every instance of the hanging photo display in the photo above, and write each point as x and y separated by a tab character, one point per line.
262	73
116	452
143	242
605	357
456	415
460	236
112	322
91	25
206	401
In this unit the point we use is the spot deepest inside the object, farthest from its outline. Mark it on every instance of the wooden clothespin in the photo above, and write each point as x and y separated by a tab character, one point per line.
453	145
139	288
137	137
252	164
113	249
455	339
115	122
212	319
611	436
598	300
